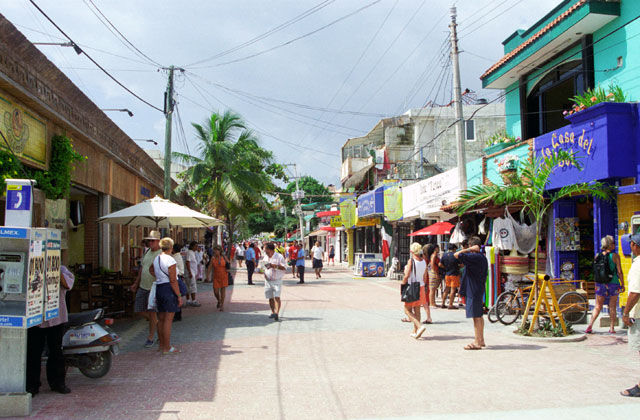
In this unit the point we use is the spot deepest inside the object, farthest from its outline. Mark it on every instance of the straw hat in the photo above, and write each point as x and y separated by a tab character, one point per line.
154	235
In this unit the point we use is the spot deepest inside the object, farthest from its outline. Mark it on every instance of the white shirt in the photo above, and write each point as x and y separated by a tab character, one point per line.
193	262
420	268
199	256
273	274
317	252
179	263
161	266
240	251
633	279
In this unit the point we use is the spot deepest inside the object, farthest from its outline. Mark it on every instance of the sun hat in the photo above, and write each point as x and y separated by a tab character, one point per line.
154	235
416	248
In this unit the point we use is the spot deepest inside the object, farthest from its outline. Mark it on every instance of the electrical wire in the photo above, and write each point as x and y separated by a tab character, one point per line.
465	34
123	39
296	38
94	61
264	35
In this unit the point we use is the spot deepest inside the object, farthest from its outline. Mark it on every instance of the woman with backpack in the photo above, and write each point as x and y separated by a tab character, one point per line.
609	282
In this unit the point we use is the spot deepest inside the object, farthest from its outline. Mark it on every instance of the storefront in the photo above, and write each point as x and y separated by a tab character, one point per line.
370	208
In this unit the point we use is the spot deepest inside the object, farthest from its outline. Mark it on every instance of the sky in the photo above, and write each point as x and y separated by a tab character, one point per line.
305	75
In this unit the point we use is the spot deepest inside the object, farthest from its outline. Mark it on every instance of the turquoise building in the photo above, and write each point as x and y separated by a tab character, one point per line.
578	45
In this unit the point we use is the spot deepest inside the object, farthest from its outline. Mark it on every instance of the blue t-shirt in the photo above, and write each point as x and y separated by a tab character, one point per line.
250	255
300	260
451	264
475	273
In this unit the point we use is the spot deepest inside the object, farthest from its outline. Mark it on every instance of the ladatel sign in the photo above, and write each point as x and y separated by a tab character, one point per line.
19	204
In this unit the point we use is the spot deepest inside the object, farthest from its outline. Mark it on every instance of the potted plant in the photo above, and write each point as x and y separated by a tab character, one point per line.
498	141
595	96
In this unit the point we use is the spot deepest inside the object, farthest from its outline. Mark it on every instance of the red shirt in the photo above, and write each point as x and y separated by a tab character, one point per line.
293	253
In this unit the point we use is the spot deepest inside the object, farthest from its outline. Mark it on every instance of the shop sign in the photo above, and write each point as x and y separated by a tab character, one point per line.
371	203
427	196
599	137
393	203
336	221
368	222
348	213
55	217
26	135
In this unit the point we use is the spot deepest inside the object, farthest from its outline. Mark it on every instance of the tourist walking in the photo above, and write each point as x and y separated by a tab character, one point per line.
218	271
293	258
318	255
143	283
475	278
240	254
200	260
180	272
275	267
451	267
431	254
300	262
631	314
167	295
192	272
416	271
609	288
332	255
250	258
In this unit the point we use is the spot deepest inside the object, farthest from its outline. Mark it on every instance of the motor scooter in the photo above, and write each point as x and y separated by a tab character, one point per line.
88	343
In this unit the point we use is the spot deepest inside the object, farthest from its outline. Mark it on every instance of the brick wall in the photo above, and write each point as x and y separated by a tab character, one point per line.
91	231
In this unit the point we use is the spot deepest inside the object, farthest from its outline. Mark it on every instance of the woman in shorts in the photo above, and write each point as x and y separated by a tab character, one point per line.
416	271
432	256
608	291
168	300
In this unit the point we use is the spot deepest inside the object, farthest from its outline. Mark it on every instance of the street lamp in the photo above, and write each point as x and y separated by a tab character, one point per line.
77	49
147	140
118	110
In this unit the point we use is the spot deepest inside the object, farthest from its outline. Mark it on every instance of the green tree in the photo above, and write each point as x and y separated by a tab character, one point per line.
231	173
528	187
313	189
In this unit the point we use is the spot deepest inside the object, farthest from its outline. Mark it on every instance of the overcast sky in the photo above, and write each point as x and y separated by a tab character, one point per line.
382	58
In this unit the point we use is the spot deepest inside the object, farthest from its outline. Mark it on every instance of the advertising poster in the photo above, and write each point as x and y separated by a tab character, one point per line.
35	281
348	213
393	203
55	217
52	299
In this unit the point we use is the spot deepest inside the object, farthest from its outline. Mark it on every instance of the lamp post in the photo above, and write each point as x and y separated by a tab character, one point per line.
147	140
118	110
75	47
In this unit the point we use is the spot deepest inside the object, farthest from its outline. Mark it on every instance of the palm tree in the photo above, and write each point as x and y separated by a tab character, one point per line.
527	187
227	177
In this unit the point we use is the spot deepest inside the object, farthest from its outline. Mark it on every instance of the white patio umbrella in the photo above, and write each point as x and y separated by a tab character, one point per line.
160	213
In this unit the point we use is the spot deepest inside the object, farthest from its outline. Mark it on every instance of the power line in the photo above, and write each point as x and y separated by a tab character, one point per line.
123	39
264	35
486	22
299	37
94	61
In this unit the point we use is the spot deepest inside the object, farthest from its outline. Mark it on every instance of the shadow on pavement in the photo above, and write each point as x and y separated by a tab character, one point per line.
447	337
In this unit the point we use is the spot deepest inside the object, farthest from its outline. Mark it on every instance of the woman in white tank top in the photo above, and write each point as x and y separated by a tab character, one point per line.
416	271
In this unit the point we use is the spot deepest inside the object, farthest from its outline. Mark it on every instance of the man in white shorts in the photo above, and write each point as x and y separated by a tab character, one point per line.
275	267
631	314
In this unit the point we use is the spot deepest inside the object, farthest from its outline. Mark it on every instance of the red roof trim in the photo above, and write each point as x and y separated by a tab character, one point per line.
327	228
327	213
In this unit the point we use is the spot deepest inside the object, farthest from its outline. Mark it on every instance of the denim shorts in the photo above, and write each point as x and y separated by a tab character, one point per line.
166	299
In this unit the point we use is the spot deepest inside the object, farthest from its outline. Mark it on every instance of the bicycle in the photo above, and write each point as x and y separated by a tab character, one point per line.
510	305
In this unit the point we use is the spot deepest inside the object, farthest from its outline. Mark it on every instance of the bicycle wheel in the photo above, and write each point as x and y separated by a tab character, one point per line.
491	315
508	308
574	307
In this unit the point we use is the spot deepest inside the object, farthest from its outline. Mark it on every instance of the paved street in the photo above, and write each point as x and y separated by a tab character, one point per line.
340	351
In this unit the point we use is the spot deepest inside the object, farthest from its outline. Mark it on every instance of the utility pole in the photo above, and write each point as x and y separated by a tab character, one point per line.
168	112
299	196
457	98
284	238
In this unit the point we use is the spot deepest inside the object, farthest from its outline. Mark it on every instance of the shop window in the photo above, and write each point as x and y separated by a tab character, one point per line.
469	130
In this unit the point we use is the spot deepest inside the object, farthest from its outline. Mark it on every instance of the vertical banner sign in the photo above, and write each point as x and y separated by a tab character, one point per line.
393	203
55	217
347	213
35	284
52	300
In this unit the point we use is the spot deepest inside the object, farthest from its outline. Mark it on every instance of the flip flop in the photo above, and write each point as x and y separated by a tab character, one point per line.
427	322
472	347
172	350
405	320
631	392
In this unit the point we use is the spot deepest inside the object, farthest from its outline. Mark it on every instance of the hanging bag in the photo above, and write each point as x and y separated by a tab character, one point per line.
602	272
410	292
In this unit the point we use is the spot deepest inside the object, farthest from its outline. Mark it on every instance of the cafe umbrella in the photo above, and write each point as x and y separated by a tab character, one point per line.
440	228
159	213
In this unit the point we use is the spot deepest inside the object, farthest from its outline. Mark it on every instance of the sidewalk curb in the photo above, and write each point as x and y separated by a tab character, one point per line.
574	338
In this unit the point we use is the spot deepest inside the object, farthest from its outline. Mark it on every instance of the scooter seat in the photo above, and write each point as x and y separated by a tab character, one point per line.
82	318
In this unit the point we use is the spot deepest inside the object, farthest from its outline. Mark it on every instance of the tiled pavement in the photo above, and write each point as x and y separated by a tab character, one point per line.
341	351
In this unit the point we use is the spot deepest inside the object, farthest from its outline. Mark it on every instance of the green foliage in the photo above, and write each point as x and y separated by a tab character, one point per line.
270	221
10	168
595	96
500	137
56	181
313	189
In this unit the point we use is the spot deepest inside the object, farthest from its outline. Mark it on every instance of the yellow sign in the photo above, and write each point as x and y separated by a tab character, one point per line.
336	221
348	213
393	203
26	135
368	222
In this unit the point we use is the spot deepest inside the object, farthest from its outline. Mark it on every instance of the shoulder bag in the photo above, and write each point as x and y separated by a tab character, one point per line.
181	284
410	292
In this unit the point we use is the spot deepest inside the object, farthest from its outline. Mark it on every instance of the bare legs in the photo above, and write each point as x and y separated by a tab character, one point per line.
220	295
613	306
274	304
164	330
153	322
478	329
596	311
452	297
413	313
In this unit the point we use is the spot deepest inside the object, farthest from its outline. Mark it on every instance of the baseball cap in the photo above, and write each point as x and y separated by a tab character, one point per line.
635	239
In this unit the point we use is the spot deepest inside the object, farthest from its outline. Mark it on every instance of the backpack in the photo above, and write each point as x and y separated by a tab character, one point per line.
602	272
